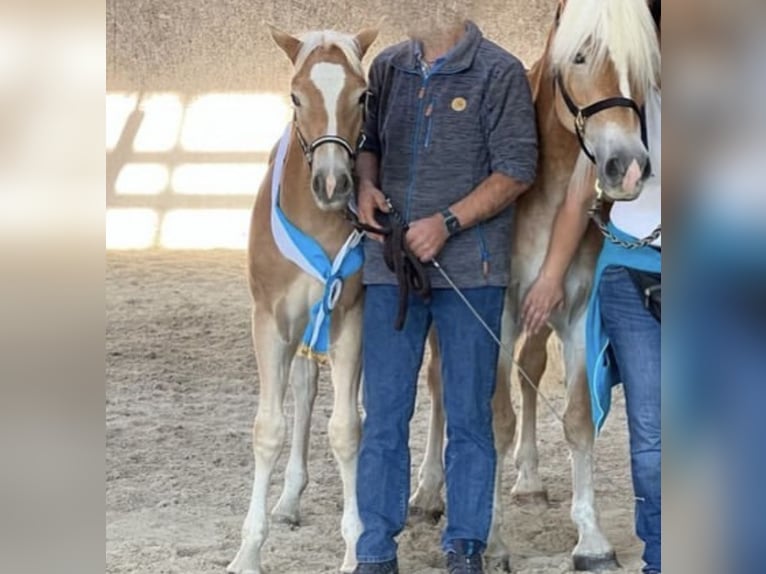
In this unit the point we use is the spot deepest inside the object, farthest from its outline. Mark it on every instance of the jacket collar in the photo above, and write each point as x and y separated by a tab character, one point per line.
458	59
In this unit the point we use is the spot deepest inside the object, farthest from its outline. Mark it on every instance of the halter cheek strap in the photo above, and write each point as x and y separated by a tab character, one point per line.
581	115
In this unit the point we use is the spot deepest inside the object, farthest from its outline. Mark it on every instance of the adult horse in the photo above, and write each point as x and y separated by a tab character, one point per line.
600	59
302	259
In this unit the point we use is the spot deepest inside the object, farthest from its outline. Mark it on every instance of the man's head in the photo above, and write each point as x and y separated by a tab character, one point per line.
432	21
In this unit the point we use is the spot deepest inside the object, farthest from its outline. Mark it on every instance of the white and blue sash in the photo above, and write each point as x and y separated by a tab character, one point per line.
309	255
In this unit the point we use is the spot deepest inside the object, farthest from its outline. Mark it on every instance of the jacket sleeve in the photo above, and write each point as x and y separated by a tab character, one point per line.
511	124
372	107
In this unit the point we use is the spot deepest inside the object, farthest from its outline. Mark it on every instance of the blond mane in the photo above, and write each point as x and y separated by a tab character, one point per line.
622	30
310	41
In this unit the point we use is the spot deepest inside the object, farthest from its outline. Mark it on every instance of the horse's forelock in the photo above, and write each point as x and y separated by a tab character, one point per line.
310	41
622	30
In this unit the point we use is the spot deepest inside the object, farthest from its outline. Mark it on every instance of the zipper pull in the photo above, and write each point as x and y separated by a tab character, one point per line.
485	268
422	92
429	110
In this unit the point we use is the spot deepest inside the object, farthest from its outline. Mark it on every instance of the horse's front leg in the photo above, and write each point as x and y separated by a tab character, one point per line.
344	426
427	504
498	556
269	430
304	382
532	360
593	551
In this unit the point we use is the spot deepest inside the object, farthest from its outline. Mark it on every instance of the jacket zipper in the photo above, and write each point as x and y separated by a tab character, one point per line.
485	259
415	146
430	121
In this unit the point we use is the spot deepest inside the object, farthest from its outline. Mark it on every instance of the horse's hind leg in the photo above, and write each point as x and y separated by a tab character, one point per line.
532	360
498	556
427	502
593	551
274	355
304	382
344	427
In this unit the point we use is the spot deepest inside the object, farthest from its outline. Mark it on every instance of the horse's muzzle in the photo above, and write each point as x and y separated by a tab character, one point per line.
332	188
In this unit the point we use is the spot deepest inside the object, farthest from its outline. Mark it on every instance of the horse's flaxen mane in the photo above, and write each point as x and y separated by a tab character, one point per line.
620	29
310	41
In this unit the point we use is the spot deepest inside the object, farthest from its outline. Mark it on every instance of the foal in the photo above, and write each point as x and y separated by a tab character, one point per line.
307	297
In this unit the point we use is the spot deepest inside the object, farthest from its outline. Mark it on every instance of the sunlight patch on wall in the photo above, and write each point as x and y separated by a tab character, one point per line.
119	106
218	178
234	122
141	179
205	229
161	123
130	228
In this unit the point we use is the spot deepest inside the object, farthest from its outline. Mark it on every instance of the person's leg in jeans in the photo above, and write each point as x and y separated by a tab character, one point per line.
469	368
635	337
391	362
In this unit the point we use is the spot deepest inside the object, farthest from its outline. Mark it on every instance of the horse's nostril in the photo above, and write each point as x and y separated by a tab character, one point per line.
647	171
316	183
344	183
613	168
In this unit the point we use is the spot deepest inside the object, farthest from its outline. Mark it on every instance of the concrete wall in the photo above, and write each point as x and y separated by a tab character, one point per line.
222	45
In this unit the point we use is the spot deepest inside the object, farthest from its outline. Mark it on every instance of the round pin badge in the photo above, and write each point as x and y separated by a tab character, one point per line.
459	104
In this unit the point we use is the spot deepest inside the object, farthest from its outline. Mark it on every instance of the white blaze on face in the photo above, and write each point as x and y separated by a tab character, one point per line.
329	79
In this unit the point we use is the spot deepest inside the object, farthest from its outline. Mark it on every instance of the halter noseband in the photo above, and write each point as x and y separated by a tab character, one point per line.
581	115
310	148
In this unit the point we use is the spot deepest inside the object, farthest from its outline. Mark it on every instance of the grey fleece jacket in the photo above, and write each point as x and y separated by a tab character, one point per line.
438	134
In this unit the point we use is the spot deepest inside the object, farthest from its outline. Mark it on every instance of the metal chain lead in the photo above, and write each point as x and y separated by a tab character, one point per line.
595	215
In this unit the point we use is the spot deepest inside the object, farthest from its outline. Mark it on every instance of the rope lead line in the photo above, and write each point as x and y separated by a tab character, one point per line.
500	344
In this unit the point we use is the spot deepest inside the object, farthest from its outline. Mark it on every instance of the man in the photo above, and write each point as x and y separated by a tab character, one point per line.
451	142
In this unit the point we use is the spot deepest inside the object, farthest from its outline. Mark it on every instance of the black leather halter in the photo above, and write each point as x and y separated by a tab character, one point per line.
310	148
581	115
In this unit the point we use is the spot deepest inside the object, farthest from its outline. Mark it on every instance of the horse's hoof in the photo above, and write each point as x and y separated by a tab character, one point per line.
418	515
532	498
495	564
597	563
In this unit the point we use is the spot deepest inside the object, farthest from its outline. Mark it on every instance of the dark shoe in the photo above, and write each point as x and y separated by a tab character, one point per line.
389	567
463	560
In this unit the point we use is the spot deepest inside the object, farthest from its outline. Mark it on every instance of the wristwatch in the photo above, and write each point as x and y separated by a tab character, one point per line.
450	222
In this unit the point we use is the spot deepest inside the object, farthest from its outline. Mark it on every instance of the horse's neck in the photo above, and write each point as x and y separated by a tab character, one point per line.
559	147
296	200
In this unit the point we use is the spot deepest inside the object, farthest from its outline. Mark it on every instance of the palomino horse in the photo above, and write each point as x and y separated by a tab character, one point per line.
328	93
600	53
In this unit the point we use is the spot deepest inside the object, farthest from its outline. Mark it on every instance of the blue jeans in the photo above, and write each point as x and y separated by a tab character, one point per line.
635	338
391	361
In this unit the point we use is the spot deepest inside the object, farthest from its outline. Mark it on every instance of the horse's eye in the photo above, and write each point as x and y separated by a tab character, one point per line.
579	58
296	101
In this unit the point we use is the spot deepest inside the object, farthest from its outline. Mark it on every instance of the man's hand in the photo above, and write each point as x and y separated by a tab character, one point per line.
426	237
545	295
371	198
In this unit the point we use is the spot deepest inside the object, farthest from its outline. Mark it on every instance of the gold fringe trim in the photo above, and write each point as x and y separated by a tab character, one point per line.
312	355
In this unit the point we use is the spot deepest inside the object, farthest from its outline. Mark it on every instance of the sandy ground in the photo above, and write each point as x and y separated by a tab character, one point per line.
181	395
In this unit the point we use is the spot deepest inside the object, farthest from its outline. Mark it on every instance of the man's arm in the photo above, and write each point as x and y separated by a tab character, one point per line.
490	197
512	146
512	143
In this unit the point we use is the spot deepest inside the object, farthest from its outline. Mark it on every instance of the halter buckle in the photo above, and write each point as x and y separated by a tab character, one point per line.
580	122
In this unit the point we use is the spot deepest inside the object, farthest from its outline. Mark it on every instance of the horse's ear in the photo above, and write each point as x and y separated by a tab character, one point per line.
364	40
559	10
537	73
290	44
